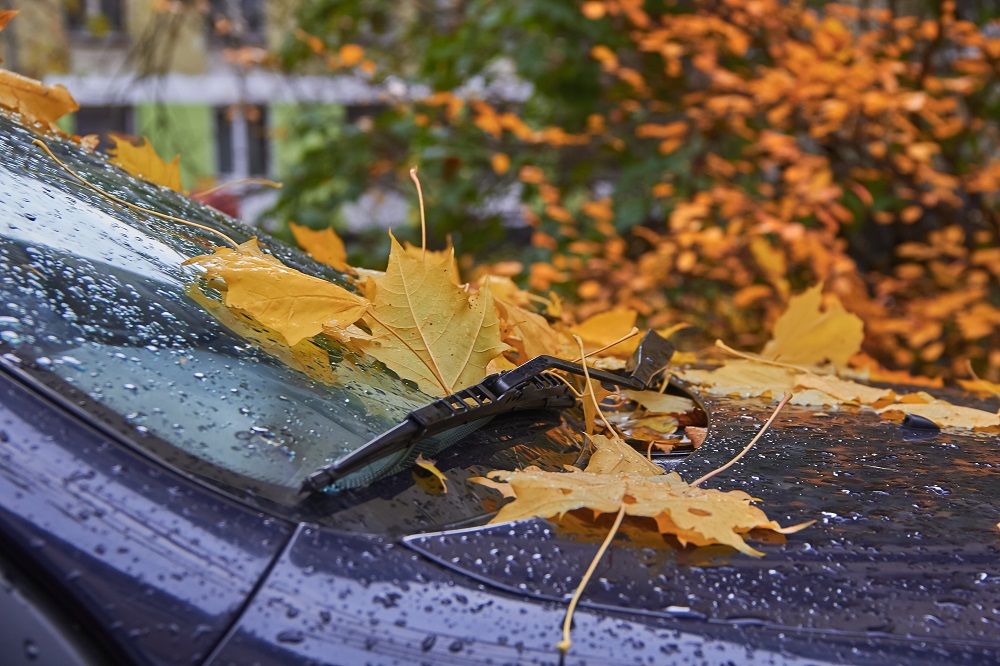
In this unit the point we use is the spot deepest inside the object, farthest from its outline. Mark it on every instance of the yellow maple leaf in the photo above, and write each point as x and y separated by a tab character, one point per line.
428	465
35	101
323	245
945	414
841	389
428	329
528	334
613	456
603	329
285	300
445	256
807	334
143	162
745	379
694	515
981	386
660	403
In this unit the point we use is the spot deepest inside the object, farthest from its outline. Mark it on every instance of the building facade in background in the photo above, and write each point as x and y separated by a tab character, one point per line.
180	72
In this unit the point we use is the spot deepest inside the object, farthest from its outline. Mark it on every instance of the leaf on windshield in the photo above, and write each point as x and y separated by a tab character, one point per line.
323	245
945	414
694	515
35	101
811	334
428	329
144	163
290	302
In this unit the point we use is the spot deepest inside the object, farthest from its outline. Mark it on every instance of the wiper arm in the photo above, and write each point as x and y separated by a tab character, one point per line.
527	387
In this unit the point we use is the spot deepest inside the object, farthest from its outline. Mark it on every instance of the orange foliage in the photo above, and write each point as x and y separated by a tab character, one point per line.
845	126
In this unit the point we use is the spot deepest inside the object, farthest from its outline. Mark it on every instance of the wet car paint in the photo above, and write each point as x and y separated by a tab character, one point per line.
160	567
898	568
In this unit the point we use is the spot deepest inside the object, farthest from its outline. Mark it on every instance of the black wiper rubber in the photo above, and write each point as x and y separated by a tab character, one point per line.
523	388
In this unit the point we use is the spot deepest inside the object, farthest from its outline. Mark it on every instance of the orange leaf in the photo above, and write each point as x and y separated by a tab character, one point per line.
144	163
35	101
324	245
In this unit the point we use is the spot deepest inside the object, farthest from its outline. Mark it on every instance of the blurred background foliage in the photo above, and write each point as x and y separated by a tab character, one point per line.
696	160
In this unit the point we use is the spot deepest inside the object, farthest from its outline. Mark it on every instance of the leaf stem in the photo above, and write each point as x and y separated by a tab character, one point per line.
752	357
423	219
230	241
630	334
234	183
784	400
566	642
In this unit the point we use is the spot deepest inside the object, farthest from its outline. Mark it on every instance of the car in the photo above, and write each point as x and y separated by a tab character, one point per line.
156	452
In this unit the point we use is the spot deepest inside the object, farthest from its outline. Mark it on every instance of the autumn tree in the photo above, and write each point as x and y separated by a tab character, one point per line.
697	161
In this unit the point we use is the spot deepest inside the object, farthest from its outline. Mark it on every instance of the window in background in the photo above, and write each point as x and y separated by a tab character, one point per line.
238	21
104	121
95	17
242	141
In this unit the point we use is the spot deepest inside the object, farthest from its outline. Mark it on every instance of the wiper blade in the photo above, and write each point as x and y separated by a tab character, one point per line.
527	387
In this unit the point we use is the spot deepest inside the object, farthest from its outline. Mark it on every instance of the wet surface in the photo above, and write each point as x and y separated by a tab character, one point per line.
905	547
161	567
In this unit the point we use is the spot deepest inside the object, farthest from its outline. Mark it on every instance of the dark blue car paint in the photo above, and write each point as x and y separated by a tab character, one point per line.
161	565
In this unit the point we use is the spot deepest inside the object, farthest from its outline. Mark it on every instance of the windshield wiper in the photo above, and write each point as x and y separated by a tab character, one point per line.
527	387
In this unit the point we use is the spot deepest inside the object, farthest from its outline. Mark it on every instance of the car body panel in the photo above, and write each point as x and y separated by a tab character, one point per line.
163	566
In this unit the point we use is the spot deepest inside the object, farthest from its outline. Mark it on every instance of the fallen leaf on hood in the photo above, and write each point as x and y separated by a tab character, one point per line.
428	329
660	403
429	466
694	515
614	456
323	245
809	334
980	386
745	379
603	329
144	163
35	101
843	390
945	414
292	303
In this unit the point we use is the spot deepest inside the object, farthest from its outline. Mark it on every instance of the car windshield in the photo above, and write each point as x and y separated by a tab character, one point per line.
95	303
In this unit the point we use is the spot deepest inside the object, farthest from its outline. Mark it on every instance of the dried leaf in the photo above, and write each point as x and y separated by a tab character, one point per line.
980	386
746	379
694	515
945	414
35	101
528	334
603	329
842	390
292	303
614	456
428	329
660	403
6	15
323	245
429	465
144	163
809	335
